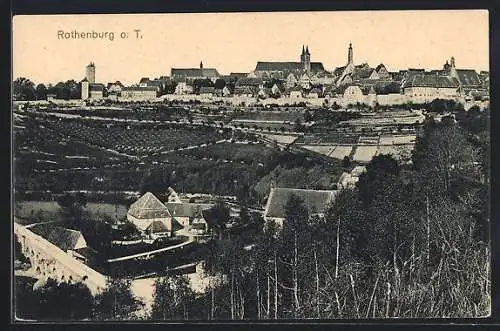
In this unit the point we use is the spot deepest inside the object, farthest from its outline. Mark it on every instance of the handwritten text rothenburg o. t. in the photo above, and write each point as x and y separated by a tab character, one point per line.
110	35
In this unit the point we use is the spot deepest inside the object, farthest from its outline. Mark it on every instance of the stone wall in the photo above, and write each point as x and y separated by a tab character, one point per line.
49	261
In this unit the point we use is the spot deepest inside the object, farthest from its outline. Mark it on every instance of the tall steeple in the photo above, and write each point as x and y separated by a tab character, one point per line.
452	62
201	64
305	59
350	55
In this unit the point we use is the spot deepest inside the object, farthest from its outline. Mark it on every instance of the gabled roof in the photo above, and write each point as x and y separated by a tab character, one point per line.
316	90
148	206
430	80
144	80
190	210
468	77
387	87
155	83
157	227
249	81
244	90
238	74
362	72
316	201
379	67
65	239
339	71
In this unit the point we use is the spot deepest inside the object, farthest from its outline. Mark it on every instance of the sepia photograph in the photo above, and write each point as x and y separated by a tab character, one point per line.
251	166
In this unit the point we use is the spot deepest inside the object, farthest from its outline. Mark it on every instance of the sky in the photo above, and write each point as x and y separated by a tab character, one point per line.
234	42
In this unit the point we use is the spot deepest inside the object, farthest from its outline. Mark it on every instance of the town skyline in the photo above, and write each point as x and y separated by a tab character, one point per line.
187	44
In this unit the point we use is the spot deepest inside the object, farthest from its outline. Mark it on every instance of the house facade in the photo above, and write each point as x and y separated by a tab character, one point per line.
425	87
138	92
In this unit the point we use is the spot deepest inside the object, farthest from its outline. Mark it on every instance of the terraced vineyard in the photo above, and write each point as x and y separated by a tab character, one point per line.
235	152
327	138
268	115
134	139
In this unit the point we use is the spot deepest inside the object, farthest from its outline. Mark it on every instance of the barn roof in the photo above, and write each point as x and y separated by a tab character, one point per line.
187	209
468	77
65	239
316	201
430	80
148	206
157	226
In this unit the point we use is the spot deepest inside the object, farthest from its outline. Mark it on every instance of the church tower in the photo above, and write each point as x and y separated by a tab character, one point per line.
90	73
305	59
453	69
201	64
350	55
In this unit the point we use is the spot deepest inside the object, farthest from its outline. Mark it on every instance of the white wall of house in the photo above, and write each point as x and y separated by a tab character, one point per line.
353	94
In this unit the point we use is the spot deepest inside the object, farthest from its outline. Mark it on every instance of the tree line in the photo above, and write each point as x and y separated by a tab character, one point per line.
25	90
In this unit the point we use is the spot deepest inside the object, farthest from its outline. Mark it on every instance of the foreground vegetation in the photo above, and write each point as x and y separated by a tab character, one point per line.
408	241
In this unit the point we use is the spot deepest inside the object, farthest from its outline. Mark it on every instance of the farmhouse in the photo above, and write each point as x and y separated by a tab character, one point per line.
316	202
152	217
